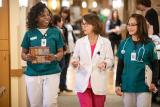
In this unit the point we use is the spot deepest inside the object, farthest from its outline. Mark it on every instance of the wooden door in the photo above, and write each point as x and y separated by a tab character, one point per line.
4	55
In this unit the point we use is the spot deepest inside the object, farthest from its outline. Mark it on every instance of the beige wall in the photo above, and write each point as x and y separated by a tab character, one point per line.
17	29
14	21
14	50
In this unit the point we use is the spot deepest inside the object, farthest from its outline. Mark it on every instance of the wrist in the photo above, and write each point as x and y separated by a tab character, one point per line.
55	57
26	57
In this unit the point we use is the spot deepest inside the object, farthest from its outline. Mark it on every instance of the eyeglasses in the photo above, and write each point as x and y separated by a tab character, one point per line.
84	24
131	25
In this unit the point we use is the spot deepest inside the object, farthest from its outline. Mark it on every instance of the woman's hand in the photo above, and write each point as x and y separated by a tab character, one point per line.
102	65
26	56
118	91
51	57
29	57
75	61
75	64
152	88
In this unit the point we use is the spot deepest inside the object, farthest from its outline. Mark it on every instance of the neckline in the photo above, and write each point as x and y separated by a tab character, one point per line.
46	30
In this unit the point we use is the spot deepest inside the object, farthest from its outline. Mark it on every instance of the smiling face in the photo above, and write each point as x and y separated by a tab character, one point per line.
132	26
44	19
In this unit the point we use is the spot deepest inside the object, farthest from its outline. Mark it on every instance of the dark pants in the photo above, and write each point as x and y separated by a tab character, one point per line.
66	59
115	41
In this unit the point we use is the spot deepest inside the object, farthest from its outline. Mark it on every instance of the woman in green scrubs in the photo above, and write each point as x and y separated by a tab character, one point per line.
134	53
42	78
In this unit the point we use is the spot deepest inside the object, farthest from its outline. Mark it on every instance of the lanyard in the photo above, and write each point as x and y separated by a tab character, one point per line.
43	40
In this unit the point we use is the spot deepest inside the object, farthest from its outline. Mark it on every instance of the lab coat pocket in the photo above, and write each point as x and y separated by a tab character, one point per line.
81	79
99	81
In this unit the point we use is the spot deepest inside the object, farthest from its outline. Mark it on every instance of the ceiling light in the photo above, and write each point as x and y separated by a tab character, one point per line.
54	4
84	4
23	3
94	4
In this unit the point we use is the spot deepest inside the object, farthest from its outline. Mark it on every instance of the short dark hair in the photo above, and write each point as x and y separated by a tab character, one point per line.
142	30
56	19
95	21
34	12
146	3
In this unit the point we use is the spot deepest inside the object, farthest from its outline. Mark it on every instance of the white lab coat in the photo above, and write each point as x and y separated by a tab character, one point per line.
88	66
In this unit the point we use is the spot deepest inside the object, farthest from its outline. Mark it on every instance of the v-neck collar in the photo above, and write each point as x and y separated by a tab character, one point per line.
40	33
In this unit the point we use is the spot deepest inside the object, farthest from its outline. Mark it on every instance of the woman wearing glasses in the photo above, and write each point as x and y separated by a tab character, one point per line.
92	57
134	53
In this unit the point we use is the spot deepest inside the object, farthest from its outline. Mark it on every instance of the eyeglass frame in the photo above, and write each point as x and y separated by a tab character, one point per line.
131	25
85	24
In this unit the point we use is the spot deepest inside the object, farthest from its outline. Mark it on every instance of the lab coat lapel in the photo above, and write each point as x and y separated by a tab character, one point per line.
88	47
98	46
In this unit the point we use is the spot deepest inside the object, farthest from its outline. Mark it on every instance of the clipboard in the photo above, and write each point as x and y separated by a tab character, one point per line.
40	53
148	75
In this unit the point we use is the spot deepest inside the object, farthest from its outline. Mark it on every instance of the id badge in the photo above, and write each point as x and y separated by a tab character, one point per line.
133	56
43	42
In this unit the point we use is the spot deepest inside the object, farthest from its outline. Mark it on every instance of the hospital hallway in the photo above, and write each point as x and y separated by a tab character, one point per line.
26	55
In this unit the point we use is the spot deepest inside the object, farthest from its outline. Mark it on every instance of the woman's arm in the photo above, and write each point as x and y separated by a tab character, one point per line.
120	67
118	77
56	57
155	69
59	55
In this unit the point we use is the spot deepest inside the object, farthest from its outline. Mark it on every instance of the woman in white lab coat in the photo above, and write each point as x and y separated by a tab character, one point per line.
92	57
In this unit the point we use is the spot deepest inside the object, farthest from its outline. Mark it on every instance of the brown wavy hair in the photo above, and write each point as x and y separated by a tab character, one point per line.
95	21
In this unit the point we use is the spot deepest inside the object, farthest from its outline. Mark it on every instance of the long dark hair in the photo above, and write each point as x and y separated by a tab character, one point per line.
35	11
142	30
112	17
65	10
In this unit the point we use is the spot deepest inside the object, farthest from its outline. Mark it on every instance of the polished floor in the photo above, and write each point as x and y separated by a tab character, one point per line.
111	101
70	100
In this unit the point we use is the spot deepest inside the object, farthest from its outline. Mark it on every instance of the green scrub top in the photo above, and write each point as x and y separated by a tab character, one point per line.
133	75
54	40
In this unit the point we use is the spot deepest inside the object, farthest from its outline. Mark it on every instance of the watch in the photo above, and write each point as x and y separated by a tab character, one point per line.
55	57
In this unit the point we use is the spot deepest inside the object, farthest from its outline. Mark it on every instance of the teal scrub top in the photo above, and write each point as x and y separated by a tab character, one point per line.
133	75
33	38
